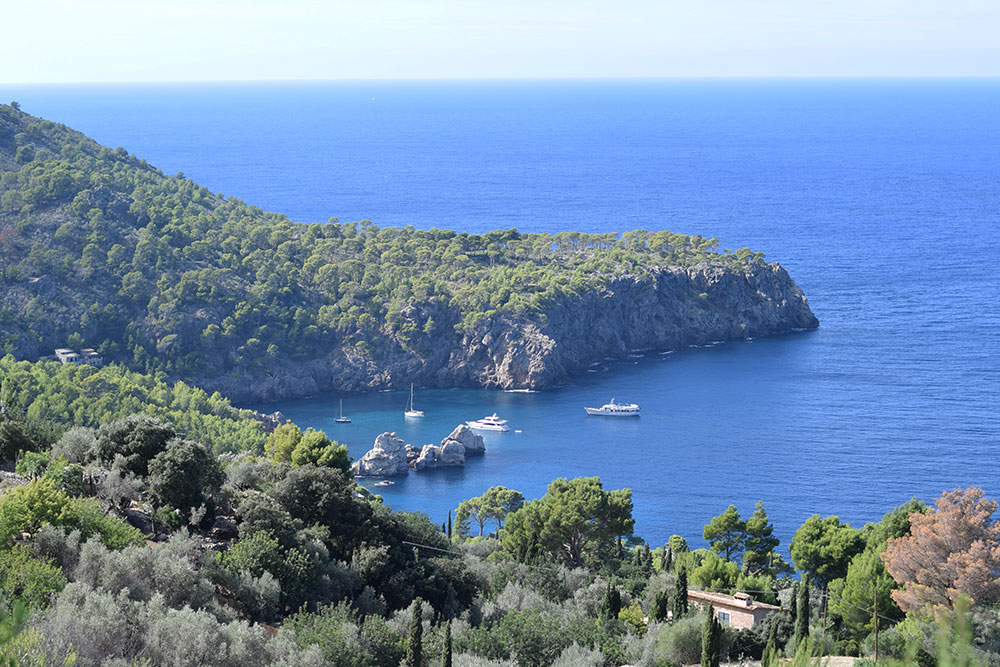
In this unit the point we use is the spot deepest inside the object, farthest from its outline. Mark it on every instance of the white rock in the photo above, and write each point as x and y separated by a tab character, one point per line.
471	442
385	459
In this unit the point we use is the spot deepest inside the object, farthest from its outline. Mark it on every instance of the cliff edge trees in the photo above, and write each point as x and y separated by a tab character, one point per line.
161	275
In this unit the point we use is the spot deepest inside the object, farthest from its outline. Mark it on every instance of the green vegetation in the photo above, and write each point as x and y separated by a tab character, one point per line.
49	392
98	248
282	539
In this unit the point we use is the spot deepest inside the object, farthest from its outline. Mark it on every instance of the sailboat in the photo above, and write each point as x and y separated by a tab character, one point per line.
342	419
410	412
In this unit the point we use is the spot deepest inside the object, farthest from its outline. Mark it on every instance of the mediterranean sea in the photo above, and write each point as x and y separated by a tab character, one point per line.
881	198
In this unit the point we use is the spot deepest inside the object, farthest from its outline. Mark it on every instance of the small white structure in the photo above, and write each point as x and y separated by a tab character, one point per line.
85	357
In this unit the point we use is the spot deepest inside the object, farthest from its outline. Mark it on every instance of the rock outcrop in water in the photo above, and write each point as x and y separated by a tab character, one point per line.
391	456
452	451
463	435
385	459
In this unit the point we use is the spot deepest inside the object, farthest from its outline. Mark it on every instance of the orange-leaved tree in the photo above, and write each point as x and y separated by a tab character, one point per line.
952	550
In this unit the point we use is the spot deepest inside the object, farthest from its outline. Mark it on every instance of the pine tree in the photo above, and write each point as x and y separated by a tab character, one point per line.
802	613
447	645
661	605
711	639
681	594
414	647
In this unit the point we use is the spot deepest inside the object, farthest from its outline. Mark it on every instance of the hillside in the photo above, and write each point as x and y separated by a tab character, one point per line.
157	273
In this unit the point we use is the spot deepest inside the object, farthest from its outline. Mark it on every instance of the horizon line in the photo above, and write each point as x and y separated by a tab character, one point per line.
527	79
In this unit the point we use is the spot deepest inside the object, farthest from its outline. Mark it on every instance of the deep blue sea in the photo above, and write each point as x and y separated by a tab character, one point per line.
881	197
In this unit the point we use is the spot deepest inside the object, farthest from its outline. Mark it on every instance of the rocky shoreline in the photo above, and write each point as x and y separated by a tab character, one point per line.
663	308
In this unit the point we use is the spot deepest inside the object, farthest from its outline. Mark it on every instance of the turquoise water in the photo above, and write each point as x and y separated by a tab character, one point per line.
882	198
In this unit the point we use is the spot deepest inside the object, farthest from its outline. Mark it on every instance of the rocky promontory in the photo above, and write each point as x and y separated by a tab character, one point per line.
660	308
161	275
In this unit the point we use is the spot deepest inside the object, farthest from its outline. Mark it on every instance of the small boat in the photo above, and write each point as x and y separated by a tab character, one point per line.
341	419
613	409
410	412
385	482
517	430
491	423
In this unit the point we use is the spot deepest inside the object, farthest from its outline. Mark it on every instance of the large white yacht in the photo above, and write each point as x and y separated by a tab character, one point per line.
491	423
613	409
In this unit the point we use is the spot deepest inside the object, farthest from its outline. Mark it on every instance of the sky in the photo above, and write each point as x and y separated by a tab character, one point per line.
68	41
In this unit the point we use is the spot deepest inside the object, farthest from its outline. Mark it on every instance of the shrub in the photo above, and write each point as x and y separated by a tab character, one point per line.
680	642
136	439
24	576
182	473
32	465
75	445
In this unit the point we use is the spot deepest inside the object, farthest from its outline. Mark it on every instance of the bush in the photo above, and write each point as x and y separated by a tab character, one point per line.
26	577
182	473
136	439
680	642
13	440
75	445
32	465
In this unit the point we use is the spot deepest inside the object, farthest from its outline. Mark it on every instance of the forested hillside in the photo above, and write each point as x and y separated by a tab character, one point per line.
98	248
47	394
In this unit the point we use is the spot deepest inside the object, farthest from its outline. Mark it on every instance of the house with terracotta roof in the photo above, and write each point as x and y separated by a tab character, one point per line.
738	611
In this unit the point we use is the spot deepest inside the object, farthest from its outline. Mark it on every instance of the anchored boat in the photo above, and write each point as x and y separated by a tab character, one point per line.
613	409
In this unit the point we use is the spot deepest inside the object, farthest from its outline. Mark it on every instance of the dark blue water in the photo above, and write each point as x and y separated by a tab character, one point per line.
882	198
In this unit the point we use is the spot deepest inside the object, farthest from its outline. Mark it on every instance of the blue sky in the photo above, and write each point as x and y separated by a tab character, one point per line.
187	40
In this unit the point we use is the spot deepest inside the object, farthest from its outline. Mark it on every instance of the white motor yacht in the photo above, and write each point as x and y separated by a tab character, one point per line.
491	423
613	409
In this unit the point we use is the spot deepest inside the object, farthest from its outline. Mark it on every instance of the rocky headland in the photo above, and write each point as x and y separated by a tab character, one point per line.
663	308
98	249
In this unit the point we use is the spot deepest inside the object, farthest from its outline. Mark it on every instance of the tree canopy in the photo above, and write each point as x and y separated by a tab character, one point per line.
823	548
574	523
953	550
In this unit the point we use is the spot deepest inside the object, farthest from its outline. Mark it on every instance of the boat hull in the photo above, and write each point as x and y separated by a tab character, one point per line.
486	427
601	412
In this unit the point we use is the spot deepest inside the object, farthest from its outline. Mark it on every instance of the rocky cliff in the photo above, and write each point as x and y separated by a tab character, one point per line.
667	307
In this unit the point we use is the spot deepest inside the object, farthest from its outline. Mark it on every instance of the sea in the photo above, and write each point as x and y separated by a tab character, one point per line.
880	196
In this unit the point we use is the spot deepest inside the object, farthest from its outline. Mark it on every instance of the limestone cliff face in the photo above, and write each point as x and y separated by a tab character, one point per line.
663	308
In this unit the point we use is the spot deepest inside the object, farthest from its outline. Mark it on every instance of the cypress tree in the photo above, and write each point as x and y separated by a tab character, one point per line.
443	528
668	560
612	603
802	613
711	639
793	602
681	594
415	647
647	561
449	524
661	605
771	648
447	645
